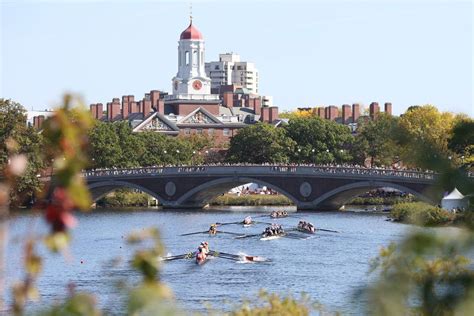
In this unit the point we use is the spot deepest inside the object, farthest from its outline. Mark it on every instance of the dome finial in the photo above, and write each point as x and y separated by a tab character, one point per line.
190	13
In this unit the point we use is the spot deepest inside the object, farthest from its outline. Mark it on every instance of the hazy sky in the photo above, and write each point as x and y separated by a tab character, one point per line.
307	53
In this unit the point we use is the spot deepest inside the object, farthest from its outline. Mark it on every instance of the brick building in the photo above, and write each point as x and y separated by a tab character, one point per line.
191	108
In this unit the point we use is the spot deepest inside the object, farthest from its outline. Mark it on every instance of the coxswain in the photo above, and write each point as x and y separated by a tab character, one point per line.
213	229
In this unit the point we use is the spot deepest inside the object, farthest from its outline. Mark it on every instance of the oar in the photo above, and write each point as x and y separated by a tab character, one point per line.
257	222
327	230
231	223
294	236
196	233
230	233
247	236
233	256
188	255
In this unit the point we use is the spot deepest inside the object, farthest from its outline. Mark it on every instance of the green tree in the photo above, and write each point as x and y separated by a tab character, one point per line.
319	141
104	149
17	138
375	140
462	141
260	143
423	130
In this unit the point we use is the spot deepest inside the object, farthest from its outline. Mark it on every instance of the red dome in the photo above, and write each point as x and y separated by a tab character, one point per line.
191	33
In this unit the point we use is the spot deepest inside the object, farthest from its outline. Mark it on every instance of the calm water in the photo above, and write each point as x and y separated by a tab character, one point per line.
327	266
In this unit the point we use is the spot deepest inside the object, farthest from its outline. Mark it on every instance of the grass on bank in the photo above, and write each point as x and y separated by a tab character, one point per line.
420	213
251	200
124	198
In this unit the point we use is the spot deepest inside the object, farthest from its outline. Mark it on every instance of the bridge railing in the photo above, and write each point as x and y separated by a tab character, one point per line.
293	169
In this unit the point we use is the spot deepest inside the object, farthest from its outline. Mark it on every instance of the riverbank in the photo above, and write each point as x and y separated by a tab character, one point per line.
251	200
423	214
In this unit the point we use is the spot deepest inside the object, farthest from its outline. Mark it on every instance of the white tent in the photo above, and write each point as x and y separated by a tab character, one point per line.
454	200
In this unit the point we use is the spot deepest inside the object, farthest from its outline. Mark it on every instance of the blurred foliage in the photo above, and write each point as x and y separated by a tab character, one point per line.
16	139
425	274
420	213
80	304
273	304
150	297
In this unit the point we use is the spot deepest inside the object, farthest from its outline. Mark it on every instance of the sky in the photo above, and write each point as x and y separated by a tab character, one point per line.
308	53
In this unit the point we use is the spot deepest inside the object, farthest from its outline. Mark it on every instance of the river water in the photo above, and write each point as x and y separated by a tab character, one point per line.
329	267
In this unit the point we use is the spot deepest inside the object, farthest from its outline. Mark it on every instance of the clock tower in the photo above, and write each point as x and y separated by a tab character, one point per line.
191	80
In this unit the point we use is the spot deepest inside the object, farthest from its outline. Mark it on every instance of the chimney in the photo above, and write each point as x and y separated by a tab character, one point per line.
125	107
257	106
146	107
113	111
374	110
35	122
388	108
355	112
331	112
99	110
134	107
140	106
265	117
228	100
154	96
273	114
93	109
160	108
346	113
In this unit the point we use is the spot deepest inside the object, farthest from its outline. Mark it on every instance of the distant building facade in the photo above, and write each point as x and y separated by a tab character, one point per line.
229	70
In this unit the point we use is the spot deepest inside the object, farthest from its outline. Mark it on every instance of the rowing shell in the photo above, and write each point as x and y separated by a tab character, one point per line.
272	237
305	231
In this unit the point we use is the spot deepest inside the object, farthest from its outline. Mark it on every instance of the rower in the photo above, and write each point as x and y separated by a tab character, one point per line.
248	220
201	254
213	229
205	247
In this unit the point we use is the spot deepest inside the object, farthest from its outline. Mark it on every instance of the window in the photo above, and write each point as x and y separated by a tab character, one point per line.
199	131
195	57
210	132
226	132
216	67
187	131
187	58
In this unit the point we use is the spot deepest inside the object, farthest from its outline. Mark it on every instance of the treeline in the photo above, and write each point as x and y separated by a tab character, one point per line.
422	137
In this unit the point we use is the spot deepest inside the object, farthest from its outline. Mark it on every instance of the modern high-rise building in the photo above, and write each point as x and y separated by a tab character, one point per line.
229	70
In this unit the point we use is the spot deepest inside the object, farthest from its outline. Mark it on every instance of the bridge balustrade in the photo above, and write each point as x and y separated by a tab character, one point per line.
264	169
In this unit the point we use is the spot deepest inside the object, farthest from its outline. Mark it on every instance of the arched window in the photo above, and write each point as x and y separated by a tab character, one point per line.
187	58
195	57
202	57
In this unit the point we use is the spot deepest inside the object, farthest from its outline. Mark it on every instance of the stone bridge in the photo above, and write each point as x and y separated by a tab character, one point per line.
309	187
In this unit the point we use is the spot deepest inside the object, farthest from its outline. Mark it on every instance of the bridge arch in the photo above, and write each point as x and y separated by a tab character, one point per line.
99	189
339	196
207	191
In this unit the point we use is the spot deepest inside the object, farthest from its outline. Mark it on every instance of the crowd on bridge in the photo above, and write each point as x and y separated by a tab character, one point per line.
345	169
